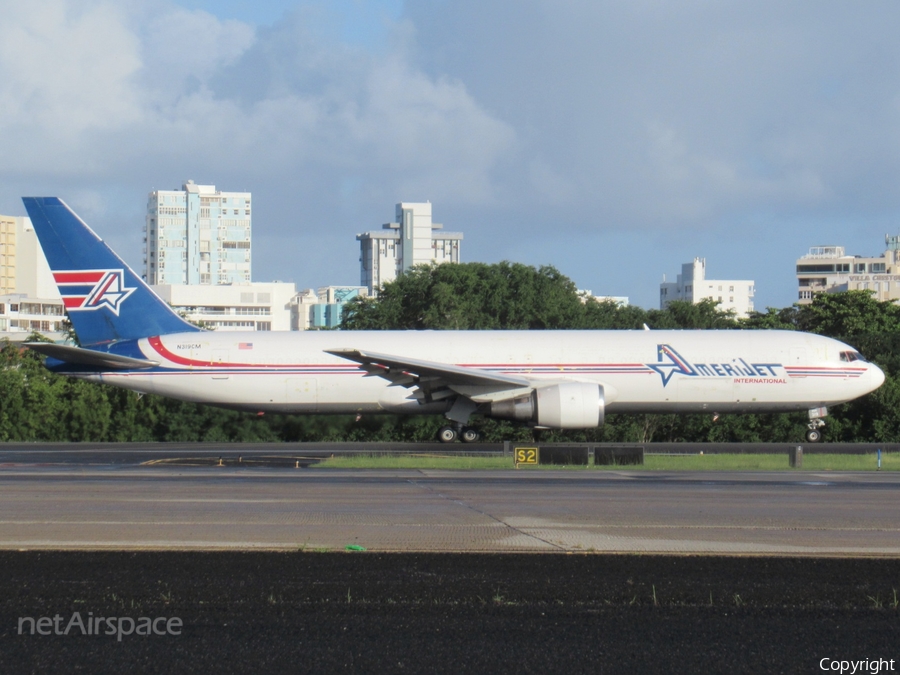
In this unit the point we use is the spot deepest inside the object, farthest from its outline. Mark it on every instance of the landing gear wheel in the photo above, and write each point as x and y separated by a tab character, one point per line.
469	435
813	436
447	434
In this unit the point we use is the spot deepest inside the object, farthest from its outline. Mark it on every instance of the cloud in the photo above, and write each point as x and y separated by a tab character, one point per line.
430	132
654	119
673	114
66	70
102	102
183	49
692	185
97	88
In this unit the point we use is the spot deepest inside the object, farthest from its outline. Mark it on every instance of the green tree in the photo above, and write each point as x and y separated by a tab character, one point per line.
771	319
470	296
704	315
848	314
609	315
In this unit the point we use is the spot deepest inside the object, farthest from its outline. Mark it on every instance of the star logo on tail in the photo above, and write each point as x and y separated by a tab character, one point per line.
669	363
93	289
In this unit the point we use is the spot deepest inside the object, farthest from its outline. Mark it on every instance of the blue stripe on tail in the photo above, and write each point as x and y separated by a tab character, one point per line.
105	299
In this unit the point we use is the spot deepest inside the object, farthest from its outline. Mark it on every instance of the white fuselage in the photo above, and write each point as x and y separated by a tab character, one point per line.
640	371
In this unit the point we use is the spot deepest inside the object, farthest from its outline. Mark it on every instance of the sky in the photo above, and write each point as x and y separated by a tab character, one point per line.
613	140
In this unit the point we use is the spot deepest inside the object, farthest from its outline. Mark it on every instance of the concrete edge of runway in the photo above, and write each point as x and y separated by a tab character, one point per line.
217	548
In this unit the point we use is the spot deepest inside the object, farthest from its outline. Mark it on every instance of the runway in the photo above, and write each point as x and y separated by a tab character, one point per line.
792	566
74	505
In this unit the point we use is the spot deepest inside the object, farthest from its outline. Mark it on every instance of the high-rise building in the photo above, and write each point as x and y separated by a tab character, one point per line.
29	299
197	235
829	269
7	254
693	286
412	240
23	267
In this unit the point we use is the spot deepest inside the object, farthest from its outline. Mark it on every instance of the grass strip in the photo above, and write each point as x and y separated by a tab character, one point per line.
414	462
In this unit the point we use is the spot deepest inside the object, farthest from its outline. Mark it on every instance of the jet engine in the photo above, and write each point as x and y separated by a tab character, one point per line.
569	405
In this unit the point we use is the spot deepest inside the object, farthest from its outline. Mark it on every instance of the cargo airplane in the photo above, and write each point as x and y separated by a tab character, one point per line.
556	379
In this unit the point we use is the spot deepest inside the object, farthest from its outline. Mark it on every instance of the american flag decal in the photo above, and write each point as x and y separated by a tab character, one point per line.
245	345
92	289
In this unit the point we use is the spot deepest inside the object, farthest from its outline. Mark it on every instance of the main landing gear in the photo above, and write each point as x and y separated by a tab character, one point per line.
458	415
450	434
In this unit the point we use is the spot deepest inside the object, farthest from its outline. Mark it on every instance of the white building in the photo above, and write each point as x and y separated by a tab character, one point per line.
247	306
197	235
829	269
693	286
322	309
29	299
412	240
586	294
21	315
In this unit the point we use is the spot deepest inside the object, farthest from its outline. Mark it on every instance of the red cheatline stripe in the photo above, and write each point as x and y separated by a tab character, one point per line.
157	344
825	371
161	349
78	277
553	365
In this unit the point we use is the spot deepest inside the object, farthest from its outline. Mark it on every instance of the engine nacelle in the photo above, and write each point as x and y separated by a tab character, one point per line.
569	405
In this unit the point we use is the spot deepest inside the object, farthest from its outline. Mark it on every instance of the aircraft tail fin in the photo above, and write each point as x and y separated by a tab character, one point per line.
105	299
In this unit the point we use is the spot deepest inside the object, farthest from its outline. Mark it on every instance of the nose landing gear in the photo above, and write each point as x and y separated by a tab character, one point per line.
814	433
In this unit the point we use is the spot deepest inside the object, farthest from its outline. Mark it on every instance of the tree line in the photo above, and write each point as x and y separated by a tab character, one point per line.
37	405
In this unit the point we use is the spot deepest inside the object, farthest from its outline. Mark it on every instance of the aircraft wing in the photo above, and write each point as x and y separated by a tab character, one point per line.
89	357
429	376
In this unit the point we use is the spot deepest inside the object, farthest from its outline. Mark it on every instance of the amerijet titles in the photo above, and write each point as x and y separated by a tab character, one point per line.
670	362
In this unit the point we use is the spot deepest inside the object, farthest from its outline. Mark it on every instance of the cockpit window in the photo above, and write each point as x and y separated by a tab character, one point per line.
851	356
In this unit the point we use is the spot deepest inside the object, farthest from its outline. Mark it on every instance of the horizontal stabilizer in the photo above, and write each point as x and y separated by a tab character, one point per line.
89	357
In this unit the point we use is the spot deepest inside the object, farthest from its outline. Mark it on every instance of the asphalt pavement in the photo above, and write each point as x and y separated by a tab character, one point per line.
271	567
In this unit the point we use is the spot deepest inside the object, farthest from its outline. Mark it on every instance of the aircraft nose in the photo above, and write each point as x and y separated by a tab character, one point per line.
876	377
